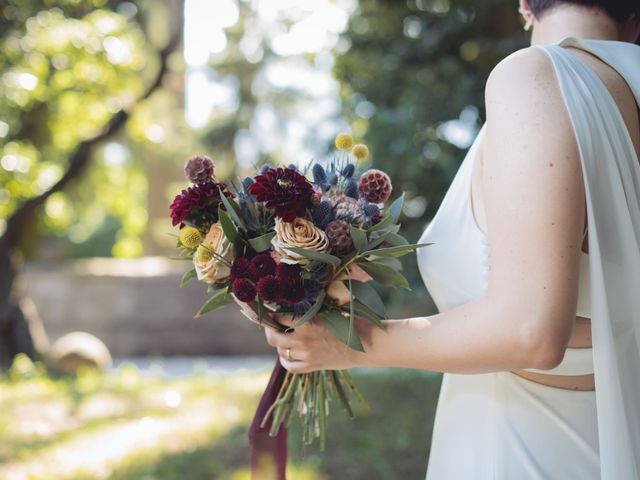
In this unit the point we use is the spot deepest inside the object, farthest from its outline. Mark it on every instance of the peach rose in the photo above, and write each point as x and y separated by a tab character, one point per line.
214	257
300	233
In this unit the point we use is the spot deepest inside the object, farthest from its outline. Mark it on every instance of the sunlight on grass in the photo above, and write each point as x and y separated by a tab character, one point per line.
128	426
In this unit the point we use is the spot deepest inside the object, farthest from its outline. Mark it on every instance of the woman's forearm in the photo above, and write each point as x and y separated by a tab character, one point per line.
476	337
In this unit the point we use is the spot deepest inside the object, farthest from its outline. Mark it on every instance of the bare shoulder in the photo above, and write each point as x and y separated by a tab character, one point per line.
523	88
529	67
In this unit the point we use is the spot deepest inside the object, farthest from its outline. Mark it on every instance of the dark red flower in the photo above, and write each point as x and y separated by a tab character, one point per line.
293	292
241	268
198	204
288	273
261	265
284	190
243	289
269	288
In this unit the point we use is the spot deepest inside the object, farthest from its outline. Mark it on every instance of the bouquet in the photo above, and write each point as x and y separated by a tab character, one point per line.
312	242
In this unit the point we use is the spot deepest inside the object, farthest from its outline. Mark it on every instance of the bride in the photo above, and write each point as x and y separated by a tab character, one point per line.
534	268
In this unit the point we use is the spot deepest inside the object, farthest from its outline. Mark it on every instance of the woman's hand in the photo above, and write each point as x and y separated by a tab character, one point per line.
312	346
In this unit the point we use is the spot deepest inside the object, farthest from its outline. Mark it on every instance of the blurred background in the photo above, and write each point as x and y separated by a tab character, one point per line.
103	371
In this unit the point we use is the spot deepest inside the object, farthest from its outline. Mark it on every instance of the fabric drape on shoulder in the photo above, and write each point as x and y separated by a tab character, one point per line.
611	175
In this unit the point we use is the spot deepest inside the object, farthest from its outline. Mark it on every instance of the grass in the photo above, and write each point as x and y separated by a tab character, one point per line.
126	426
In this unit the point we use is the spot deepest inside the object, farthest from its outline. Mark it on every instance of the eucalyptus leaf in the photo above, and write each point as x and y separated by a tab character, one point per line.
262	243
233	209
385	275
396	208
338	325
396	240
398	251
368	296
319	256
386	221
390	262
188	276
229	229
312	312
219	299
359	238
362	311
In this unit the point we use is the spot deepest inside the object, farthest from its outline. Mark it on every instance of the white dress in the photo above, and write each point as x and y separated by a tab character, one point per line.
499	425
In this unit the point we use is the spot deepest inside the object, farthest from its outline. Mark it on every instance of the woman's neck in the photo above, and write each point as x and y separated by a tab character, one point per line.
571	21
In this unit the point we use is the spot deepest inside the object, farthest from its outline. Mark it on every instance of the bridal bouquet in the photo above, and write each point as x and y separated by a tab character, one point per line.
310	242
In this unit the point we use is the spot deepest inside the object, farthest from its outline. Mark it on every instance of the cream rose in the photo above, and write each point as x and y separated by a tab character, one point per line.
300	233
214	257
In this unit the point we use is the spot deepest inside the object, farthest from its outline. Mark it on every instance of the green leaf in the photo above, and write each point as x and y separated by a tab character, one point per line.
385	275
262	243
219	299
390	262
319	256
396	240
188	276
396	208
338	324
359	238
386	221
233	209
398	251
229	229
312	312
368	296
365	312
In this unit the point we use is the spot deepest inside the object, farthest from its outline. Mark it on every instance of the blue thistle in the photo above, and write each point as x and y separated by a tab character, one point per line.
349	170
323	214
370	209
264	168
319	175
246	183
333	178
293	167
352	189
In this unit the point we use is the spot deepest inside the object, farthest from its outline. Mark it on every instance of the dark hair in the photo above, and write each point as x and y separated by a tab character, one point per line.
619	10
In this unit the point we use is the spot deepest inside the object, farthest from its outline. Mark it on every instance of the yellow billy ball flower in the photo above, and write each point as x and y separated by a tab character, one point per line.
344	141
203	254
360	151
190	237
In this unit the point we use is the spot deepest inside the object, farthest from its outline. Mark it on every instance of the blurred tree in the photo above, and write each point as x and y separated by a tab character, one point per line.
413	79
72	72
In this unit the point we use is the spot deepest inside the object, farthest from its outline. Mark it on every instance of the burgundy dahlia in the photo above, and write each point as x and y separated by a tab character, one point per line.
375	186
198	204
241	268
269	288
284	190
262	265
288	273
199	169
243	289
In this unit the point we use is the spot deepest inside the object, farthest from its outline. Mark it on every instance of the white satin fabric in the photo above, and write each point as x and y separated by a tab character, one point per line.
502	426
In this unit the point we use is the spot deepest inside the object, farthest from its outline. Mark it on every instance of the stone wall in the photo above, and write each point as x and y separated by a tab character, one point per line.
137	308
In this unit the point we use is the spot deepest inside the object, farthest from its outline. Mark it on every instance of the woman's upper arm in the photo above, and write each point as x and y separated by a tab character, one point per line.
534	201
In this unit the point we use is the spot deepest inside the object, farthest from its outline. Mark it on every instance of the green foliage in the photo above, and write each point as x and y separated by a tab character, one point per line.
411	67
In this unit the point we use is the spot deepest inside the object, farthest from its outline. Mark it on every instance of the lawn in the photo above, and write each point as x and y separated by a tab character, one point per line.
128	426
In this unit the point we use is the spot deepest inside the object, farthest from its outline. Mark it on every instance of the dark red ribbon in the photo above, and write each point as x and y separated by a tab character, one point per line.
268	454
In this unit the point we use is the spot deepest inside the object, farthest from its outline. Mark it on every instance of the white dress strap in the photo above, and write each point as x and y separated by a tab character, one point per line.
611	174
